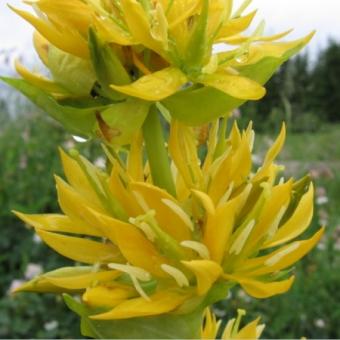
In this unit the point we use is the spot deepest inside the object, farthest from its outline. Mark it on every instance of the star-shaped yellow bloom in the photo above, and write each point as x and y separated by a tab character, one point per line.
147	252
211	327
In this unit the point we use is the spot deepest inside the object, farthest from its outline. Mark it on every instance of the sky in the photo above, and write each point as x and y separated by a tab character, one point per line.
302	15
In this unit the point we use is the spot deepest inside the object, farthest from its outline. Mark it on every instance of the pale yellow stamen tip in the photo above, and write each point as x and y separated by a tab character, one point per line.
141	201
199	247
242	238
227	194
275	224
139	288
277	257
241	312
179	277
179	212
144	227
139	273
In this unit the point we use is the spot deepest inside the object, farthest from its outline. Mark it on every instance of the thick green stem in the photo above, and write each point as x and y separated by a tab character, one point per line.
157	153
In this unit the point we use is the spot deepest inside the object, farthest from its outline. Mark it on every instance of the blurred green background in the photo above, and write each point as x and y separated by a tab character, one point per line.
305	95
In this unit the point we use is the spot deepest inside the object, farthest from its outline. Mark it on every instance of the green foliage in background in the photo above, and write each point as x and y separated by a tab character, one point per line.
304	93
29	158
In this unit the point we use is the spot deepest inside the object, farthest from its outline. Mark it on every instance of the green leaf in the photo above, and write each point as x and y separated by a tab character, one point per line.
169	326
125	119
73	73
107	66
198	45
79	121
199	106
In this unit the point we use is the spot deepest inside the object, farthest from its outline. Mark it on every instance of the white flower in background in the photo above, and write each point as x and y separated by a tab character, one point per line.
33	270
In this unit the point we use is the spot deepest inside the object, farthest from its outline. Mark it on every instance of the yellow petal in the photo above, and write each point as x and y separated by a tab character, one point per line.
271	214
298	222
58	223
112	33
206	272
178	14
122	192
272	153
79	277
75	205
73	14
40	285
211	326
233	167
107	296
70	42
217	233
155	86
260	289
260	51
156	198
239	39
135	247
234	85
160	303
250	331
77	178
41	46
235	26
39	81
183	150
282	258
135	158
139	26
81	249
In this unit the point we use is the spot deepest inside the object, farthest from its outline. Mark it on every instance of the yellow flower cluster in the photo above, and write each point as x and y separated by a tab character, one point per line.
160	50
149	253
211	327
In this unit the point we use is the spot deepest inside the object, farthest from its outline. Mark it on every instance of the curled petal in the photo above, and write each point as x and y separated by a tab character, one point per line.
58	223
160	303
260	289
81	249
282	258
206	272
155	86
234	85
298	222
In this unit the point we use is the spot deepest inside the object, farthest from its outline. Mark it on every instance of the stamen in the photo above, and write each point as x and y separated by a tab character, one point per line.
141	201
139	273
144	227
139	288
199	247
277	257
275	224
240	241
227	194
179	212
240	313
251	140
179	277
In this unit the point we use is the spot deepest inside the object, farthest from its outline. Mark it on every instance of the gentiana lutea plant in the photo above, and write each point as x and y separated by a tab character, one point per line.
163	232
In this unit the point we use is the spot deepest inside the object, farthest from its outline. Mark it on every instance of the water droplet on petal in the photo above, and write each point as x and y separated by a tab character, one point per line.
80	139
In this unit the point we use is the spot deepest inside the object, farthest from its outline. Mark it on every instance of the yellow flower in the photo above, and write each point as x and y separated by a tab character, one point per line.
211	327
155	51
151	253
